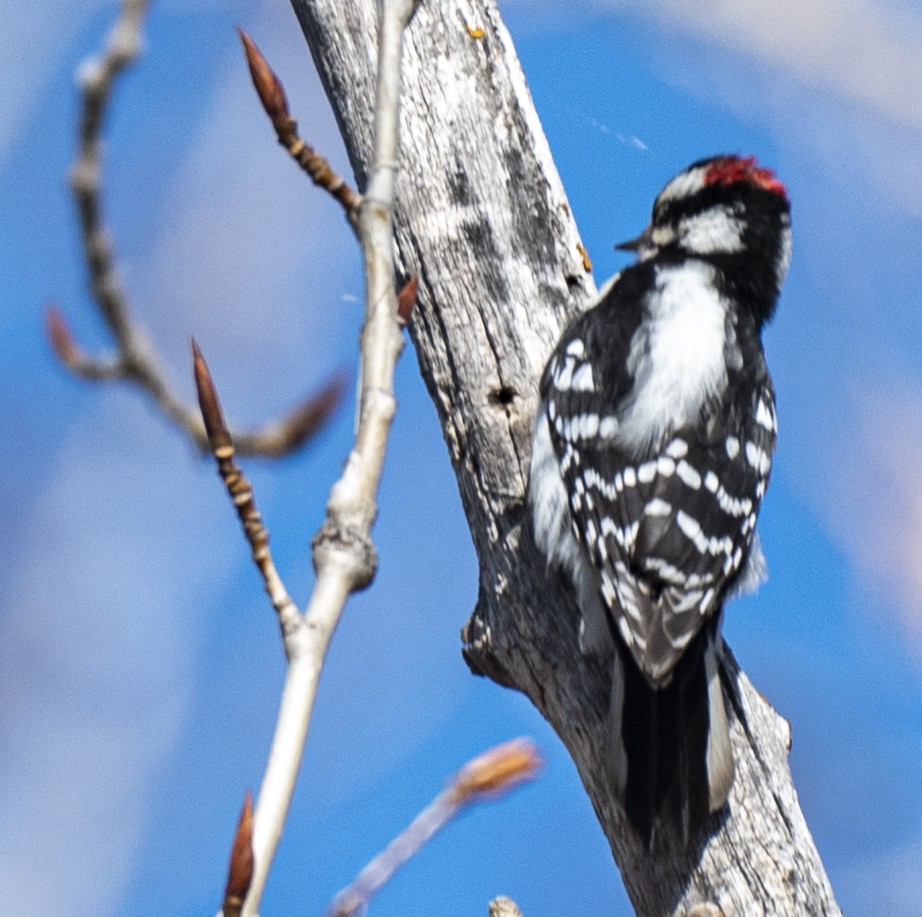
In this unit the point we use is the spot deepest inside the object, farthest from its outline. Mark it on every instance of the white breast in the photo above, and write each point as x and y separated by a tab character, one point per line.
676	356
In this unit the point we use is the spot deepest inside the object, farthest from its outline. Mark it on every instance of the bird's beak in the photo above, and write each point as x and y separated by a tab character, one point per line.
635	245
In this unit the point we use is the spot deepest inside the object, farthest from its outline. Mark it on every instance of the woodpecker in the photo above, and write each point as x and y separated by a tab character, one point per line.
651	454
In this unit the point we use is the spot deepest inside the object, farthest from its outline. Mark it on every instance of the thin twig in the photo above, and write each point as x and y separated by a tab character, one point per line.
271	93
487	776
96	77
135	359
221	445
344	555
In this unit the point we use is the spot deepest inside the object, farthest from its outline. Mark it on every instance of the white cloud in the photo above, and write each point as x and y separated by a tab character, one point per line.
870	497
839	80
31	44
97	647
867	51
836	79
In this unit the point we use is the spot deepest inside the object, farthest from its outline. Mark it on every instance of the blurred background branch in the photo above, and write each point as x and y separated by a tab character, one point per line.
136	359
487	777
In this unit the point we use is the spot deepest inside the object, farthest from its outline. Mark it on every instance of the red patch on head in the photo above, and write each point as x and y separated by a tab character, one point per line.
733	169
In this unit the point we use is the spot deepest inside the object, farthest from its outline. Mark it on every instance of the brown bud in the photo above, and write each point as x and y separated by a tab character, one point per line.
406	300
59	336
268	86
215	426
497	770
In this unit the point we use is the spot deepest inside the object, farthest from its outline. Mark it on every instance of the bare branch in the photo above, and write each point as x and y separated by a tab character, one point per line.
136	360
240	868
221	445
272	95
96	77
487	776
344	555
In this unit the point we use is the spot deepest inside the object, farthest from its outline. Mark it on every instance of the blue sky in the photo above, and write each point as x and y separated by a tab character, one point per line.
140	663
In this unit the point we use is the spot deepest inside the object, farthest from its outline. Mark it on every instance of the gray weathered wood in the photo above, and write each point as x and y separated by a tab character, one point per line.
483	219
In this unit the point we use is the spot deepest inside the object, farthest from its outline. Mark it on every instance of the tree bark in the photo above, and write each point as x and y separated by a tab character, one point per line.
483	219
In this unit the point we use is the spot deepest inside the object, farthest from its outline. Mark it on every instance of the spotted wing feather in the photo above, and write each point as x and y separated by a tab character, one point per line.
671	531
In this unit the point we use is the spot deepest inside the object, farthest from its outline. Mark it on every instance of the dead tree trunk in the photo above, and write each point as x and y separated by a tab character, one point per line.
483	220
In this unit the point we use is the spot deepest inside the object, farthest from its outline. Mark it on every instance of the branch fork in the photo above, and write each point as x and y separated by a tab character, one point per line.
343	551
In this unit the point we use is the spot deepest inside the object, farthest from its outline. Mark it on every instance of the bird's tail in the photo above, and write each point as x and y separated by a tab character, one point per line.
672	763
